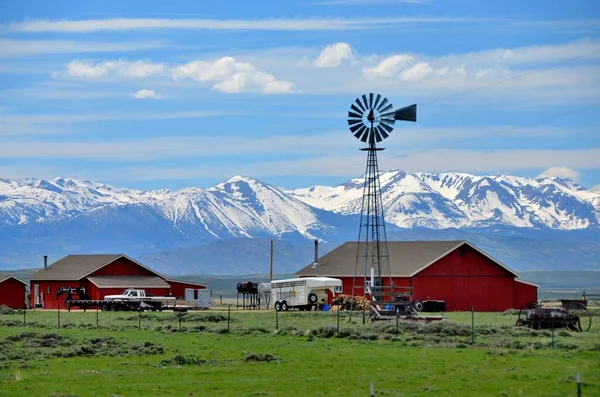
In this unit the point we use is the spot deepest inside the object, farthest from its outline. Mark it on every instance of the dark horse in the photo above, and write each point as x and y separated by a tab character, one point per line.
81	294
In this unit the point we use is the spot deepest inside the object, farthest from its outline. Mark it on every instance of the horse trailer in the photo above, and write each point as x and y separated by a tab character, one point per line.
303	293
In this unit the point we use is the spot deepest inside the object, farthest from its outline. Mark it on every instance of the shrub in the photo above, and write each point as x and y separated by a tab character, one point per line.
260	357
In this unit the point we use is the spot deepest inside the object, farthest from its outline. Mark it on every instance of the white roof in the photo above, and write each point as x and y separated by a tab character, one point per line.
314	280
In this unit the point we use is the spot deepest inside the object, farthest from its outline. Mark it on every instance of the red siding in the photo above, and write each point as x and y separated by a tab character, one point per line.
524	293
123	267
49	299
485	294
178	288
465	261
12	293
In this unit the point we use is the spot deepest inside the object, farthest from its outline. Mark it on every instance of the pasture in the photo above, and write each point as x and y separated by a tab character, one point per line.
297	353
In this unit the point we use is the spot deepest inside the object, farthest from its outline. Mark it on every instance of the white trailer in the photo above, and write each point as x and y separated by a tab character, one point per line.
303	293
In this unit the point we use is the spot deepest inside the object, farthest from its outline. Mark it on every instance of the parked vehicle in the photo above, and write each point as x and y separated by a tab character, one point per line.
303	293
129	299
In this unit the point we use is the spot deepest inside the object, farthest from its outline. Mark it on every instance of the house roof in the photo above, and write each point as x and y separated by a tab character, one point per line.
75	267
128	282
6	277
185	282
518	280
407	258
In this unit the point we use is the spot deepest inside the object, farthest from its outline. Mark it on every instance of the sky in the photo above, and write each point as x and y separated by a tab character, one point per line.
153	94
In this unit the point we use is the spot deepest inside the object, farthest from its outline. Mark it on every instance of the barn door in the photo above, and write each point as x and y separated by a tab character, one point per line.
36	295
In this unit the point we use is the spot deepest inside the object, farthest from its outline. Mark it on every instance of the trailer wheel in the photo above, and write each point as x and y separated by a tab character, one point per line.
277	306
418	305
312	299
284	306
104	307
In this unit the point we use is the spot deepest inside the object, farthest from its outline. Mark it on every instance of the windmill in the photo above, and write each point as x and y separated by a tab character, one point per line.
371	119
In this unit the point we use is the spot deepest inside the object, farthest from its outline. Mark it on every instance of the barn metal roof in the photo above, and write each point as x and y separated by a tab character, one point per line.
4	278
76	267
128	282
406	258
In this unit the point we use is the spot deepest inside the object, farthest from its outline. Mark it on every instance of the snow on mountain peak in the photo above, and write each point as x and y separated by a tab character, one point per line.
243	206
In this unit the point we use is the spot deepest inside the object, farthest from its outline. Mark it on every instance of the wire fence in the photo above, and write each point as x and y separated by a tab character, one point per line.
455	330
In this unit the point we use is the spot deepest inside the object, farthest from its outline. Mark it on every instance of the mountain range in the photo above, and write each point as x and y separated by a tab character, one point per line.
529	223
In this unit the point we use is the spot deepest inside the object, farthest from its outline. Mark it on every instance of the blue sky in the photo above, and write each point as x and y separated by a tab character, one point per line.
154	94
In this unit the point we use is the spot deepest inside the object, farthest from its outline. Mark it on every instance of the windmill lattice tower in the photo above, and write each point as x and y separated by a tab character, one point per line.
371	119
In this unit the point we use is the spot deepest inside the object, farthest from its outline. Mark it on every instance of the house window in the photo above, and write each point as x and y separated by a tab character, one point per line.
338	289
48	290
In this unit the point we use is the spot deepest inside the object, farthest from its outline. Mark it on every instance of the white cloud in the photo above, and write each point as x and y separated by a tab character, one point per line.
10	48
333	54
560	172
595	188
232	76
271	24
389	66
146	94
137	69
416	72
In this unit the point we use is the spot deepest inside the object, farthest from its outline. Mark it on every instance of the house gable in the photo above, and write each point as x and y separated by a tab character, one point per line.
465	260
123	266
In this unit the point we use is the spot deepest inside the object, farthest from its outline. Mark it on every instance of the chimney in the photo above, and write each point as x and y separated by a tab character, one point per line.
45	261
316	262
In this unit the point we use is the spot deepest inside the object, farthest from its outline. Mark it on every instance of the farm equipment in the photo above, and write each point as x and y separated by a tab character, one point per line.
575	317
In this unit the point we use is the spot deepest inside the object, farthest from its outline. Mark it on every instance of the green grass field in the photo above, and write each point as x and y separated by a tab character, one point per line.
156	354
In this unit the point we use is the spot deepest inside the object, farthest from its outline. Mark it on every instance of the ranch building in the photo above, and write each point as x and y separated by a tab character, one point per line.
100	275
456	272
12	292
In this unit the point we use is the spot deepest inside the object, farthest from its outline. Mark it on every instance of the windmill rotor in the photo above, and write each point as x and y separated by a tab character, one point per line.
371	118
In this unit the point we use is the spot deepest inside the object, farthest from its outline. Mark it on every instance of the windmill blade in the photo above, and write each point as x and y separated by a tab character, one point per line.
355	115
365	136
408	113
352	122
378	137
364	98
382	104
386	109
360	105
385	127
356	127
382	132
357	110
377	99
360	131
371	101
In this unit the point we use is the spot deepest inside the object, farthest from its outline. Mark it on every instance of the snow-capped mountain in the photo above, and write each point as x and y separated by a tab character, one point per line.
239	207
177	231
461	200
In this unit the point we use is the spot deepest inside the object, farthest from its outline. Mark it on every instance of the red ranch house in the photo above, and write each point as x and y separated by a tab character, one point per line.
12	292
100	275
454	271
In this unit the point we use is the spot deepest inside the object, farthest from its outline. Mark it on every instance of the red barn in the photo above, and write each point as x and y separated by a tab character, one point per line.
100	275
454	271
12	292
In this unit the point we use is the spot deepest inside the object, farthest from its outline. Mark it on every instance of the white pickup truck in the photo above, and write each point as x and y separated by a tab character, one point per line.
136	299
136	295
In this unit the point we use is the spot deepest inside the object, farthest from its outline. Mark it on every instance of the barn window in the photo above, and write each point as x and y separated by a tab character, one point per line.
463	250
48	290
